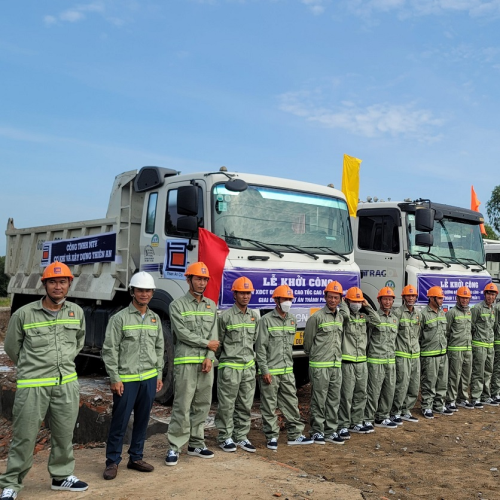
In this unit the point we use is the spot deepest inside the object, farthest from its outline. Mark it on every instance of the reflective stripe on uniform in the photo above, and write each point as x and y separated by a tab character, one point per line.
325	364
433	353
379	361
54	322
330	323
236	366
476	343
46	382
459	348
281	328
140	327
392	325
197	313
189	360
355	359
140	376
279	371
240	325
407	355
434	320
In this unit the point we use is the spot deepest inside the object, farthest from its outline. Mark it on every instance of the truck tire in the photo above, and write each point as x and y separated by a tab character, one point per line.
165	395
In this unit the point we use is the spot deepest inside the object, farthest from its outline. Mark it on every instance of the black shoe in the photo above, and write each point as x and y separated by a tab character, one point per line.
71	483
452	407
490	402
300	440
344	434
171	458
478	405
465	404
408	417
386	423
445	411
8	494
272	444
228	445
334	438
200	452
428	414
247	446
318	438
396	419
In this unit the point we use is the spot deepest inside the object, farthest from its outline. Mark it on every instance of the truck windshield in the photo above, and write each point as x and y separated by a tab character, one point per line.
282	219
453	241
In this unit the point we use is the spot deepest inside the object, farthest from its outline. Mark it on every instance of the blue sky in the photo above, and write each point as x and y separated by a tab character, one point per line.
281	87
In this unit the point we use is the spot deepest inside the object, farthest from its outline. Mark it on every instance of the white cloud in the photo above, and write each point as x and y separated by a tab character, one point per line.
71	16
316	6
80	12
370	121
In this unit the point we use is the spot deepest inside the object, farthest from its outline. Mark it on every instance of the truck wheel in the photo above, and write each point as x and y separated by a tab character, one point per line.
167	391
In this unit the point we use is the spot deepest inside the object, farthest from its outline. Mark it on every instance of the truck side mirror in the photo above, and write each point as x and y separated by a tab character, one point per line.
424	220
424	240
187	224
187	200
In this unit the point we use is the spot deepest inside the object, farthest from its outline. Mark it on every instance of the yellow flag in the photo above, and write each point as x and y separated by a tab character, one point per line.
350	182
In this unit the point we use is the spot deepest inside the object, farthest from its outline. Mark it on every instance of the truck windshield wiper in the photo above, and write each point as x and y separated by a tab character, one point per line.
439	259
258	244
330	251
301	250
473	261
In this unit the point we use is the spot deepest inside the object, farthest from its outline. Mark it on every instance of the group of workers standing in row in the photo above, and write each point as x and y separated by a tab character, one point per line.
366	367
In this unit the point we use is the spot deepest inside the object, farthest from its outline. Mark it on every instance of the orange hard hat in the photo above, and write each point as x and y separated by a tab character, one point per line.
242	284
387	291
491	287
463	291
334	286
57	270
197	269
355	294
409	290
435	291
283	291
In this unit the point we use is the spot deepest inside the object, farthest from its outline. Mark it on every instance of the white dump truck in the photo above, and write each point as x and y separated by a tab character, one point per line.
278	231
419	243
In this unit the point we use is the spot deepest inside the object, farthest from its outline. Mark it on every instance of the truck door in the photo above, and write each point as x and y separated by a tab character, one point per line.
379	251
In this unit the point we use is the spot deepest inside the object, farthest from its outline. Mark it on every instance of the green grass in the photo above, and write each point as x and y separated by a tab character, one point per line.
4	302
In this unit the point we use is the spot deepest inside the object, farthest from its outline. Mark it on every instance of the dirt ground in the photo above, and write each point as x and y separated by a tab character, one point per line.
454	457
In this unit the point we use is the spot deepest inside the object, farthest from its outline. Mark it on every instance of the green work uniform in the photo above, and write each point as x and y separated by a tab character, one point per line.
495	378
44	346
273	350
433	359
354	369
407	361
194	325
381	366
323	345
236	373
133	348
458	332
483	353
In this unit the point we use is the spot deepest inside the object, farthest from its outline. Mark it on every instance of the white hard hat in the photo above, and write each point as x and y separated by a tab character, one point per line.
142	280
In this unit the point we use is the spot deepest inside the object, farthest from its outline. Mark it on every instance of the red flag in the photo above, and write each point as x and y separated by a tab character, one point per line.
474	205
212	251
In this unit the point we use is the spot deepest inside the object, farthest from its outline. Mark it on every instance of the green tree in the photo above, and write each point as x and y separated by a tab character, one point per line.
4	279
490	234
493	208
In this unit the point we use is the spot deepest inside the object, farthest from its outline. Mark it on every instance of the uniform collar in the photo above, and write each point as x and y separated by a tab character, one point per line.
132	309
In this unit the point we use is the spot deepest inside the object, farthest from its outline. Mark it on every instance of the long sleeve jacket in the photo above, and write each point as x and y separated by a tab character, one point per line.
44	346
407	341
273	348
483	321
458	328
133	346
496	326
194	325
355	336
382	339
237	335
433	340
323	338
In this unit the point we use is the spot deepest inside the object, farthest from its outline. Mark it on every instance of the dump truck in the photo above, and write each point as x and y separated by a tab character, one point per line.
278	231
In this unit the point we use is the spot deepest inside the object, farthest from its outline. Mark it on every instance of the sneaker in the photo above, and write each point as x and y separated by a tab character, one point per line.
318	438
8	494
228	445
497	399
386	423
478	405
445	411
335	439
490	402
428	413
452	407
272	444
200	452
71	483
360	429
247	446
344	434
369	428
300	440
396	419
408	417
171	458
465	404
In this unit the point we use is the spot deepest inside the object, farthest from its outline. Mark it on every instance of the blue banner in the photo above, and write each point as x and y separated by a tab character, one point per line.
78	251
450	284
308	287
